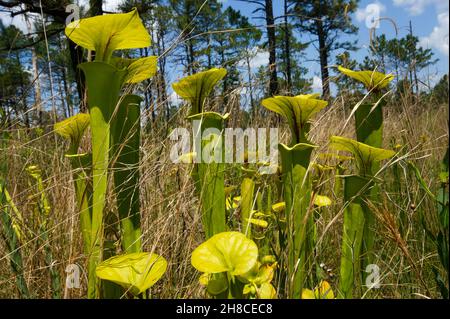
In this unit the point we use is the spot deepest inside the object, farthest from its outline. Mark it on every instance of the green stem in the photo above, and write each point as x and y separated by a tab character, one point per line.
247	191
83	191
297	195
369	130
209	173
104	83
352	236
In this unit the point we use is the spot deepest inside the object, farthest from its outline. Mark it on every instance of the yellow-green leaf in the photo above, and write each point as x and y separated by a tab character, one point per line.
365	154
107	33
229	252
322	201
233	203
269	259
372	80
16	217
259	274
279	207
324	291
138	70
197	87
308	294
310	96
135	272
296	147
341	158
217	286
297	110
209	116
250	276
258	222
249	289
204	279
266	291
73	128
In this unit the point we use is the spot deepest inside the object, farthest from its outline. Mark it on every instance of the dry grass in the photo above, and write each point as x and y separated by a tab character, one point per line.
170	211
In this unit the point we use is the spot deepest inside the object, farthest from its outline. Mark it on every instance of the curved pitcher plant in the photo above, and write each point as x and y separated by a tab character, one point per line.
369	130
357	190
208	141
230	267
295	162
135	272
111	118
73	129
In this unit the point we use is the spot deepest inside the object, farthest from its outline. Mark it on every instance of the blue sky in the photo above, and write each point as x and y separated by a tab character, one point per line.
430	22
429	18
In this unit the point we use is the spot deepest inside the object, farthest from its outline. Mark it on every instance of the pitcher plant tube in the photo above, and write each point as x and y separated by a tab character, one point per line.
208	170
295	162
357	189
105	77
73	129
369	130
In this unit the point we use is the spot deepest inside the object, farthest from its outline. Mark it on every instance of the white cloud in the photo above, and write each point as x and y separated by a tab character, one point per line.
18	21
108	5
174	98
257	59
371	14
438	38
317	84
111	5
261	58
417	7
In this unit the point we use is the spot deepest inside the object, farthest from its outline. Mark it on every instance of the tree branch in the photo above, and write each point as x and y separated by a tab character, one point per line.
59	14
30	44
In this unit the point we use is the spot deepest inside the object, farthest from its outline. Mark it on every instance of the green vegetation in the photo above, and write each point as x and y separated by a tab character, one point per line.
100	190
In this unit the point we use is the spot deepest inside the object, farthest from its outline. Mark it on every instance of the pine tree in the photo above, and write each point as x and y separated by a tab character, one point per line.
326	20
266	6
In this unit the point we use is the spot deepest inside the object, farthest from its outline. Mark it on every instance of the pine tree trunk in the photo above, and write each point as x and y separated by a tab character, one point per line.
76	57
36	81
37	84
96	7
65	83
323	53
287	48
162	75
273	82
191	56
